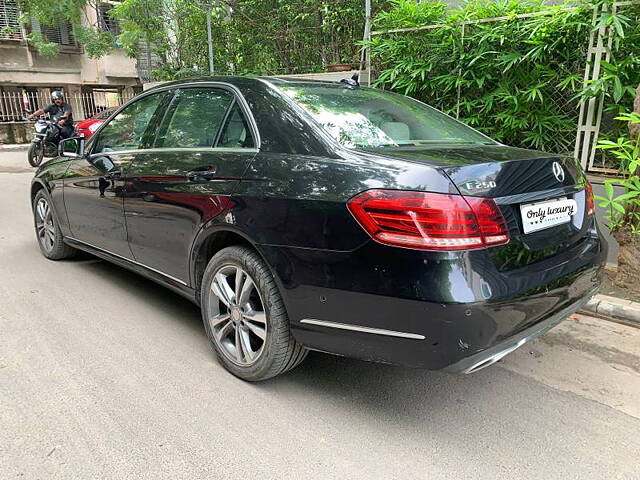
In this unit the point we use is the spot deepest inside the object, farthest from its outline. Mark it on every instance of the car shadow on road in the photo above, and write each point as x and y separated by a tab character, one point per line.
386	392
152	293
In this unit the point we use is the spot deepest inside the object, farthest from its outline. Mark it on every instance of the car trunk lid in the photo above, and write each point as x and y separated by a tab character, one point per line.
519	181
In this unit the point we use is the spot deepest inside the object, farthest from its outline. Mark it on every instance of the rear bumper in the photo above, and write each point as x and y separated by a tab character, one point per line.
452	313
458	338
493	354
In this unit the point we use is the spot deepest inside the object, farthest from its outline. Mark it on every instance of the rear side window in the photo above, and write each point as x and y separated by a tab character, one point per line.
125	130
194	118
236	132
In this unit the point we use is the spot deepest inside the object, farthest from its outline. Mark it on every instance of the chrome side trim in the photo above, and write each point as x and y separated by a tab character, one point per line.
177	149
182	282
358	328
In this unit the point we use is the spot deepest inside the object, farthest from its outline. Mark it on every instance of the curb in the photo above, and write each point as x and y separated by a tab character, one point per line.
613	308
20	147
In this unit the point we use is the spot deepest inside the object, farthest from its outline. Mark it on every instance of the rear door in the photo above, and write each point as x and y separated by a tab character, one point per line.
201	150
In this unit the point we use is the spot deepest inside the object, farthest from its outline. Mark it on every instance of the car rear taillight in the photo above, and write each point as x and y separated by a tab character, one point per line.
589	196
429	221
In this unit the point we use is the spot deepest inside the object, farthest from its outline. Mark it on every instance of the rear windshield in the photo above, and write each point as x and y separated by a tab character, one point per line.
371	118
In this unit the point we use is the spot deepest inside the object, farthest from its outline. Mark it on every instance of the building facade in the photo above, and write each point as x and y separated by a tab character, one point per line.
90	85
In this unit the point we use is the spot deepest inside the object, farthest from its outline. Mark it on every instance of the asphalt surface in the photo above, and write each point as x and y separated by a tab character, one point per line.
105	375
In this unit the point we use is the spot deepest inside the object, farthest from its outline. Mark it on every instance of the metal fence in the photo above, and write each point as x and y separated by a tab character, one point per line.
14	105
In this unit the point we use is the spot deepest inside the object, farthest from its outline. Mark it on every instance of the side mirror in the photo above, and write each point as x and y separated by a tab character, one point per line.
71	147
104	163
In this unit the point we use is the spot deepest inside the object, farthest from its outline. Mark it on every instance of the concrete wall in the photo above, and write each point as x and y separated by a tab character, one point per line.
119	65
16	132
115	68
19	65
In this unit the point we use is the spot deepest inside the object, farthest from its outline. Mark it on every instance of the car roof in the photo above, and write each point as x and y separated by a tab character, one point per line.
241	81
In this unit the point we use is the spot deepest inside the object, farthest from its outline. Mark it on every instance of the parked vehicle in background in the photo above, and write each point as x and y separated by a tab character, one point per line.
310	215
88	126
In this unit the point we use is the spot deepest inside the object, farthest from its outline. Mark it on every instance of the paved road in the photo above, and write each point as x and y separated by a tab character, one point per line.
106	375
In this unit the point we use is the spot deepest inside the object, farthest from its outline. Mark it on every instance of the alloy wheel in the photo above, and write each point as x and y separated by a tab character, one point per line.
45	225
236	315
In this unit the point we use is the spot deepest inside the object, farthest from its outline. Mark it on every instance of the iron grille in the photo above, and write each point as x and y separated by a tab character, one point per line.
105	20
9	24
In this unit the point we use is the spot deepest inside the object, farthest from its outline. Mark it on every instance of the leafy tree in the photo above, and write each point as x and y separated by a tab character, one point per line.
249	36
54	12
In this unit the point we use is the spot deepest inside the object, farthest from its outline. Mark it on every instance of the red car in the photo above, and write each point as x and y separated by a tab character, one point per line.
88	126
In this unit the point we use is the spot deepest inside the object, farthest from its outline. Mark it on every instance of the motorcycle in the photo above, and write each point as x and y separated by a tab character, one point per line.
45	142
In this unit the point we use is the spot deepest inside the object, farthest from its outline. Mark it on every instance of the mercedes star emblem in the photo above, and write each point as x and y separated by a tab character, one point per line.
558	171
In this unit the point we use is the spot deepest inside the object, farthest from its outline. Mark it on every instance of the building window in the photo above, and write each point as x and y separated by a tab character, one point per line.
62	34
105	21
9	24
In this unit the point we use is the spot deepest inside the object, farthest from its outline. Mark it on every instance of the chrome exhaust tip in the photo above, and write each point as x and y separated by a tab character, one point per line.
486	362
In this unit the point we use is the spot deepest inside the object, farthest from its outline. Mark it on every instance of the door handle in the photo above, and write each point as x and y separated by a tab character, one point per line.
202	174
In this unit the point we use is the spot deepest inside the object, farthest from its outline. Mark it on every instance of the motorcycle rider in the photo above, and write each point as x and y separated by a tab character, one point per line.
58	109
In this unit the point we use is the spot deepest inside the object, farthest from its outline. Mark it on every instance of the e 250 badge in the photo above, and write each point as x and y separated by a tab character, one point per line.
475	186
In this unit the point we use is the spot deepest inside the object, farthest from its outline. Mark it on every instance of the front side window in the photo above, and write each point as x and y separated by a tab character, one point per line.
370	118
194	118
125	130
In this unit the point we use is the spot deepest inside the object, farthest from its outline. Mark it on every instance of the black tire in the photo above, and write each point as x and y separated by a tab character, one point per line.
279	351
48	234
35	154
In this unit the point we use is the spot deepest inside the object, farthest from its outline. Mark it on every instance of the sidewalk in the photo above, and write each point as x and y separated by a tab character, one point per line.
614	308
17	147
615	302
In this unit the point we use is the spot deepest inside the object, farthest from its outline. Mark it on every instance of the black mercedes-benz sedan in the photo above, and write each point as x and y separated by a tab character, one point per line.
327	216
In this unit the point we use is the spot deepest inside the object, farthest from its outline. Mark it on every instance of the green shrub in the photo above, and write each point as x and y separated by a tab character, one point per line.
518	80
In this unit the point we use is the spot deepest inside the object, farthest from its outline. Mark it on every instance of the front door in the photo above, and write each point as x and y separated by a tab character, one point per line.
93	186
200	153
93	198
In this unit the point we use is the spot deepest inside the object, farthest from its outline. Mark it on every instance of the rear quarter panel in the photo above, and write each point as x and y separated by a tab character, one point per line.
300	200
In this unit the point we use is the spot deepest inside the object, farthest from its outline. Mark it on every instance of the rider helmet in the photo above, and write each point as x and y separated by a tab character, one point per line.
56	94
